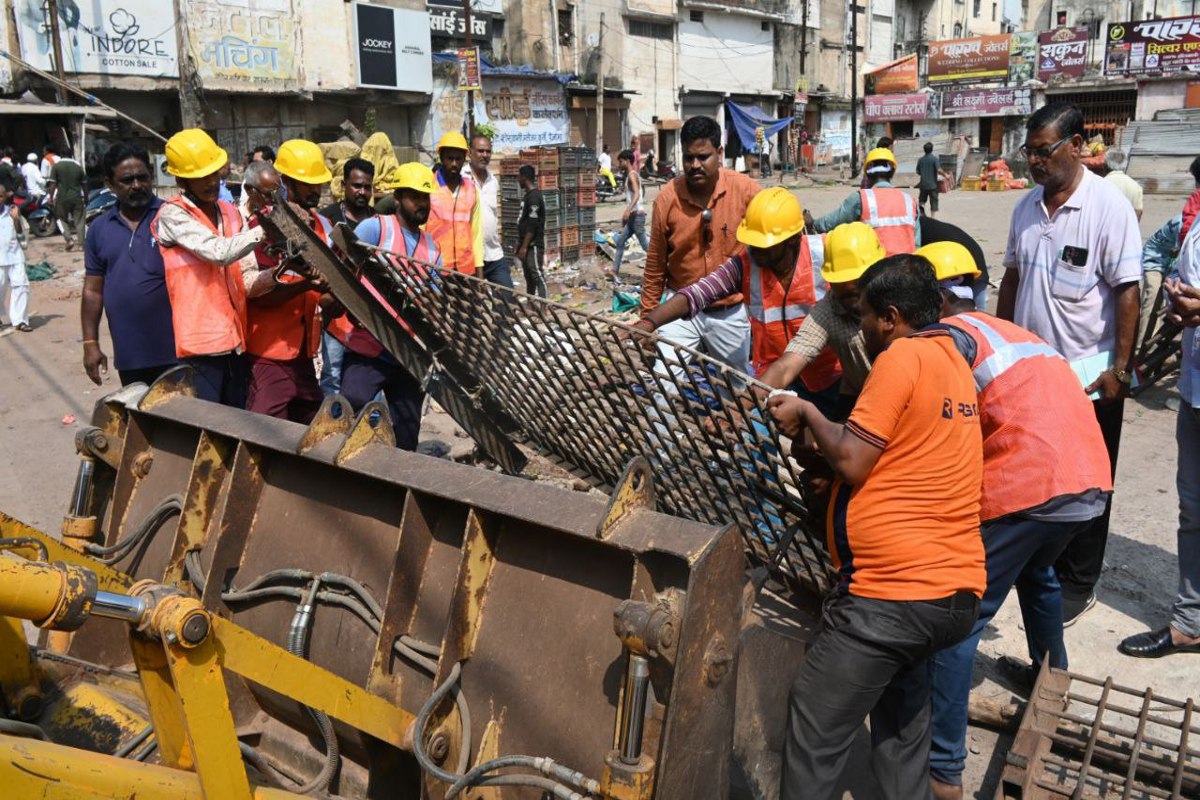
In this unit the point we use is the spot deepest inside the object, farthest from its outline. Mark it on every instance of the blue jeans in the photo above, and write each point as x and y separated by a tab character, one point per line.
1185	613
332	353
220	379
636	226
498	272
1018	551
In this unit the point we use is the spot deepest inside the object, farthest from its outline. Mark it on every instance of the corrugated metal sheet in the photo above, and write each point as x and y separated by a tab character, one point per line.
1162	138
1178	115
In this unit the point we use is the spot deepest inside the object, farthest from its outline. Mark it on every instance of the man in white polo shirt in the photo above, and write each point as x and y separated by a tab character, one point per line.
1073	269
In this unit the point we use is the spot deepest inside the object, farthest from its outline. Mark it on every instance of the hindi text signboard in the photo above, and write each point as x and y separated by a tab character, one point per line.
1062	52
979	58
1153	46
889	107
898	77
999	102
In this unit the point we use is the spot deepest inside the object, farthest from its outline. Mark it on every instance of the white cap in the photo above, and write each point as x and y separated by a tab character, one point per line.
31	158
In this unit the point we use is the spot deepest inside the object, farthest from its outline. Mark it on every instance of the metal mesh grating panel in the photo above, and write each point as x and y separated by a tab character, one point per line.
586	396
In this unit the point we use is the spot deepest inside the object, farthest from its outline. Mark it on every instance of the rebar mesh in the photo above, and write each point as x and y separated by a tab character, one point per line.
589	397
1110	741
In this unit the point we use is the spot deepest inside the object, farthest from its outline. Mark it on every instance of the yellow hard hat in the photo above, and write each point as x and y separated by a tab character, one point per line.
416	176
881	154
849	250
772	216
193	154
949	259
454	140
302	160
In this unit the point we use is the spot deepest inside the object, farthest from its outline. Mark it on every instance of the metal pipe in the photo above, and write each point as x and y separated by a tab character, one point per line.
633	709
81	496
119	606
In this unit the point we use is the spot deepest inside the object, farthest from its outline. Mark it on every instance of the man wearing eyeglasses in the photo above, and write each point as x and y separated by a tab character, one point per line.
693	231
1073	267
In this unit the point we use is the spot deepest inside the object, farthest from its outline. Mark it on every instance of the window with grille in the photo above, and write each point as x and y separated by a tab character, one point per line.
650	30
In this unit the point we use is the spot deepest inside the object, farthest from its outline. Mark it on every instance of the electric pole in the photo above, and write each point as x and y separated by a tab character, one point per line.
471	92
600	91
190	112
854	88
803	35
56	44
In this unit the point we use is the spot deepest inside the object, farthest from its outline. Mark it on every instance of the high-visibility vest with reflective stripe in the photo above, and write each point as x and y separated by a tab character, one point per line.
893	215
292	328
776	314
208	301
450	224
1040	435
391	238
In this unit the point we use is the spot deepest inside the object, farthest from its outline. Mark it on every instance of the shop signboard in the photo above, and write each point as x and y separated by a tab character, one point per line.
1152	47
452	22
393	48
979	58
133	37
524	112
1062	51
897	77
1022	57
999	102
895	107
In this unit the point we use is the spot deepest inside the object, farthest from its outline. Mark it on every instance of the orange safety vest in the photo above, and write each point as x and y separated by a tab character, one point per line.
208	301
776	314
391	238
450	224
290	329
893	215
1040	435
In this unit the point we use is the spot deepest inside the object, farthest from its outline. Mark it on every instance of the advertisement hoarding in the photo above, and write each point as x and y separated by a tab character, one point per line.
979	58
999	102
134	37
1153	46
392	48
1062	52
895	78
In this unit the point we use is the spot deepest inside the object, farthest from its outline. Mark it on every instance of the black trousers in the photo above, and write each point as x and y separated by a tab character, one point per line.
146	375
870	658
1080	565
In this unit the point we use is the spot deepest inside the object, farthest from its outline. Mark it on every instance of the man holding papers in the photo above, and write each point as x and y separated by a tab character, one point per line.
1073	267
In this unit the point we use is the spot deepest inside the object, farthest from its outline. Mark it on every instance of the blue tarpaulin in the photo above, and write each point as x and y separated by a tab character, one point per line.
746	119
522	71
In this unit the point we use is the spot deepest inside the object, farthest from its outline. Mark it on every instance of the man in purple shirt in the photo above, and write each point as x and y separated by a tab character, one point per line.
124	277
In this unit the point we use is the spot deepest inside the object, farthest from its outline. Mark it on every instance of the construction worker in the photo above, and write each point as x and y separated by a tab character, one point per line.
779	277
283	314
834	322
890	211
1045	477
203	241
368	369
455	221
904	535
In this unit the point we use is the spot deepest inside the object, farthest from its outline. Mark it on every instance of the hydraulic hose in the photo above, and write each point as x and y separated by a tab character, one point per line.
134	743
23	729
298	646
169	507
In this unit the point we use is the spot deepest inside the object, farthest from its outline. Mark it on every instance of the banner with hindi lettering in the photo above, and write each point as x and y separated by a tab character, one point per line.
1062	52
1153	46
526	112
895	77
894	107
245	44
998	102
133	37
979	58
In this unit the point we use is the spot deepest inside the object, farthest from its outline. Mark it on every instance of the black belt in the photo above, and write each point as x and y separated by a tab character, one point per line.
960	600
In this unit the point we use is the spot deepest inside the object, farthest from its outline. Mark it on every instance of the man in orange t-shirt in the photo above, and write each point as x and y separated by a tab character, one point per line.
904	533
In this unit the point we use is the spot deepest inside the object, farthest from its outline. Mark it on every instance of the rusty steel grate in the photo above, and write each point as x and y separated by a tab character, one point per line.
592	400
1087	738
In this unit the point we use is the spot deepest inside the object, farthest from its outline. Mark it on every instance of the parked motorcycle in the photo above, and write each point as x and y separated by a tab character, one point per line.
659	173
99	201
38	214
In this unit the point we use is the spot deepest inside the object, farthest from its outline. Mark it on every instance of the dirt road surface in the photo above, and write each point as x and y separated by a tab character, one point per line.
47	398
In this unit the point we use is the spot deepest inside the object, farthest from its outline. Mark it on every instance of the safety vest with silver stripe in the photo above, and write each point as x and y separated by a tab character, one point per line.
1040	435
776	313
893	215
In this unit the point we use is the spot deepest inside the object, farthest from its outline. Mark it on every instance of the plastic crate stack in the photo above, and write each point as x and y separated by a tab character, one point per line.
577	176
566	176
